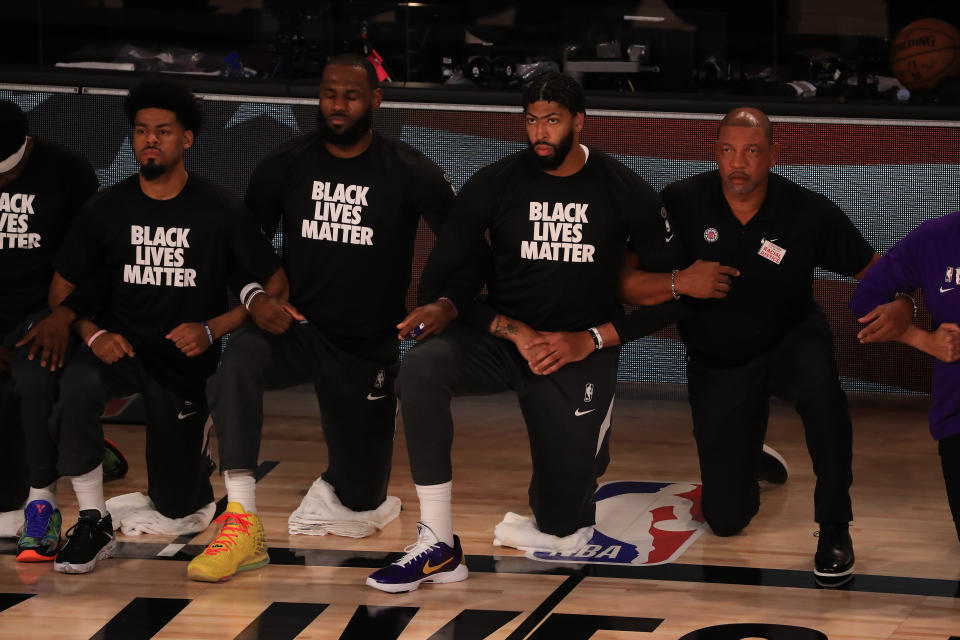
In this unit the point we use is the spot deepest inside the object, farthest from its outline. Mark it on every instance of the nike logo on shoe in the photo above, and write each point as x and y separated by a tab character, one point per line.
579	413
428	568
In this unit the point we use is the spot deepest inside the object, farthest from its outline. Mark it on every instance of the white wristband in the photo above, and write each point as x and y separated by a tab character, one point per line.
247	293
597	338
252	296
94	337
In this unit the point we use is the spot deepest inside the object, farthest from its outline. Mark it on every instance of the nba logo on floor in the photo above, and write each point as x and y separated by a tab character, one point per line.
639	523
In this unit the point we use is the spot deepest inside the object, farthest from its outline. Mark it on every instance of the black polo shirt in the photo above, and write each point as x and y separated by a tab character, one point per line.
795	231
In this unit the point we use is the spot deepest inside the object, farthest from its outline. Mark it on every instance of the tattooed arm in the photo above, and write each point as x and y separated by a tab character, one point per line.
520	334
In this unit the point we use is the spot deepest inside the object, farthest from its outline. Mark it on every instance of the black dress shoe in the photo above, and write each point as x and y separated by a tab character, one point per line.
772	468
834	558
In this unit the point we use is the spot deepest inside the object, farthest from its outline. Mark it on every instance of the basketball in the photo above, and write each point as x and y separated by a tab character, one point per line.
924	53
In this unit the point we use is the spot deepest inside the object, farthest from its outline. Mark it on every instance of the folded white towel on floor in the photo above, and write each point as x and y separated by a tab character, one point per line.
10	523
521	532
321	512
135	513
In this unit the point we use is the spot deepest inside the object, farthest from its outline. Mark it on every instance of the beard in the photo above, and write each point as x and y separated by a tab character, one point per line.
348	135
743	188
151	170
560	152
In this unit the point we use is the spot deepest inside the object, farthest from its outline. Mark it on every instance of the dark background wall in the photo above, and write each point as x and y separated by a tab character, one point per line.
887	175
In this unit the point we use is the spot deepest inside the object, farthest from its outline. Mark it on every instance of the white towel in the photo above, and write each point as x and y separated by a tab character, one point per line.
10	523
521	532
135	513
321	512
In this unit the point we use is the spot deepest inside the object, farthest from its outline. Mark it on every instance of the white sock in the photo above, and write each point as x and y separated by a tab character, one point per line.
48	493
89	490
436	509
241	487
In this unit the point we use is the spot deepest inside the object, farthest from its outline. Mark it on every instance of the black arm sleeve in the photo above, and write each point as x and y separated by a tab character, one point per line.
654	240
844	249
77	258
434	198
253	257
88	296
263	210
264	195
460	261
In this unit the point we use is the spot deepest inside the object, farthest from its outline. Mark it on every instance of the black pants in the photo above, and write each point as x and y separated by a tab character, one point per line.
14	481
567	415
949	449
37	389
358	405
178	468
730	407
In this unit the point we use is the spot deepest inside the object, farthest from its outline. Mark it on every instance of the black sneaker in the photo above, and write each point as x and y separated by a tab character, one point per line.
772	468
833	563
89	540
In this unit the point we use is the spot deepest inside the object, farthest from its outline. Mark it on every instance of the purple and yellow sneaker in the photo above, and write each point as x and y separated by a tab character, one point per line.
426	560
40	539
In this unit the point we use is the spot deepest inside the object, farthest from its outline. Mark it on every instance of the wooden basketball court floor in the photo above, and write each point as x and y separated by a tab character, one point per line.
754	585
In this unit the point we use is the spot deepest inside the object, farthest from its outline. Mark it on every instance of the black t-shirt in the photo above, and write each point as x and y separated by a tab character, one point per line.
795	231
349	226
557	242
35	212
163	263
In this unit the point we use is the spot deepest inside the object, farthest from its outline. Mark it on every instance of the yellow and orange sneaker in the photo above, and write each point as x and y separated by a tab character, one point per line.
240	546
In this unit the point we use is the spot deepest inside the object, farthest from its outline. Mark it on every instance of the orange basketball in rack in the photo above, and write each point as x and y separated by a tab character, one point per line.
924	53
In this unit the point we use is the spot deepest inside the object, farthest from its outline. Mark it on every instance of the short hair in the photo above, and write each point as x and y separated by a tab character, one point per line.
165	94
13	128
555	87
748	117
359	62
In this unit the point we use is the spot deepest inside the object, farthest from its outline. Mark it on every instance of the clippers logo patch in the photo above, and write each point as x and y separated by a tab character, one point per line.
711	235
588	392
639	523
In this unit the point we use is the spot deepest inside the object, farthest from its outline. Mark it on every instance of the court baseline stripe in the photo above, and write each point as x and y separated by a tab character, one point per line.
474	624
8	600
712	574
141	619
540	614
282	621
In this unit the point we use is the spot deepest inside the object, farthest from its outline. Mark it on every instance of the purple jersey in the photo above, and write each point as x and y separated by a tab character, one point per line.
929	259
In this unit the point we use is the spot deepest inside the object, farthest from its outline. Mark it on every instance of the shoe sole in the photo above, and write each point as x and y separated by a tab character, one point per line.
839	574
770	451
457	575
832	581
32	555
68	567
250	566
